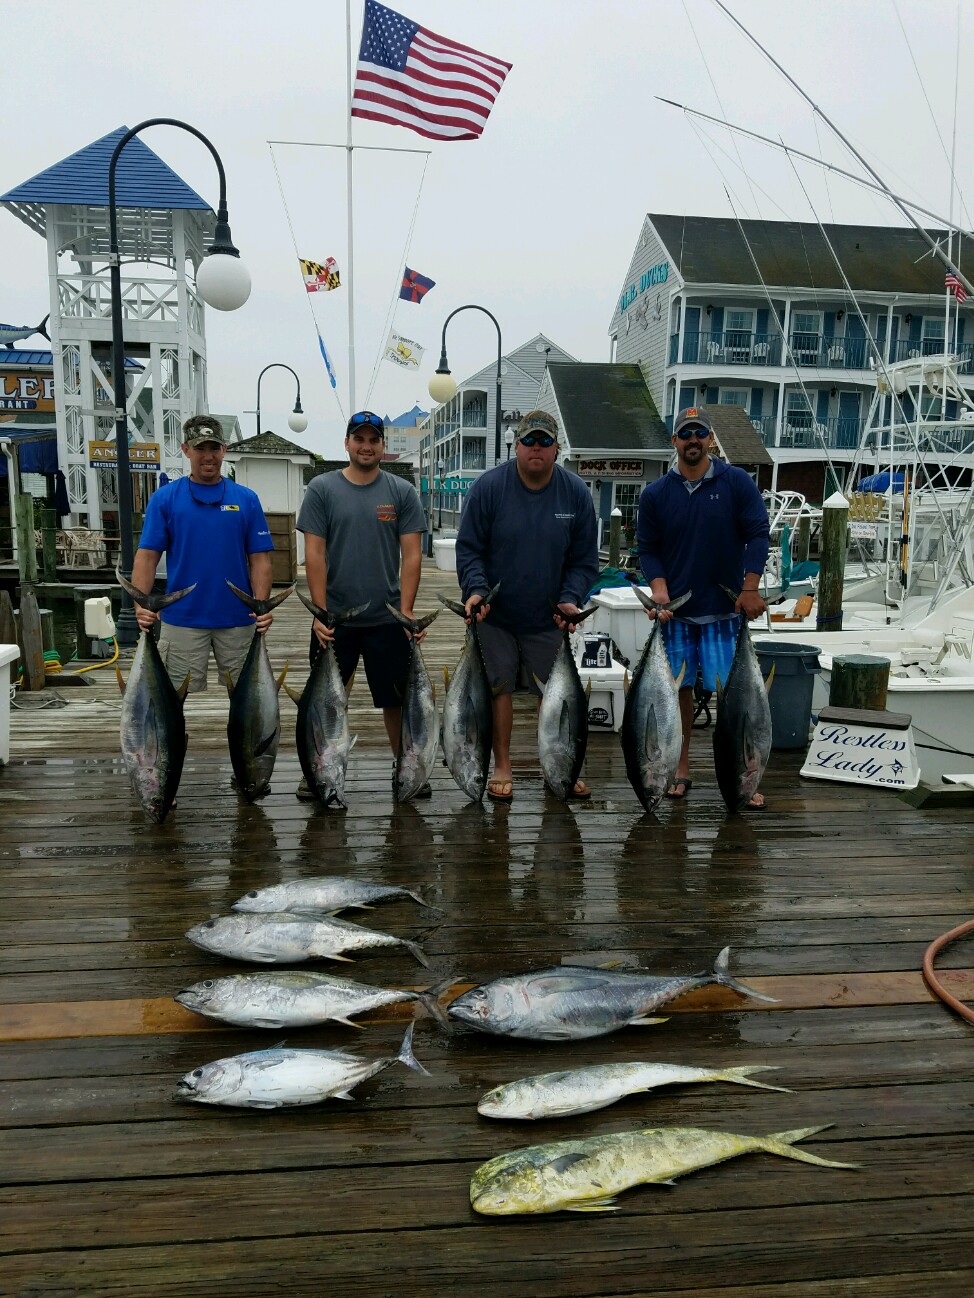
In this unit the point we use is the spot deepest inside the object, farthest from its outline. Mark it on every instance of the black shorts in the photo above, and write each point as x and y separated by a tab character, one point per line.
384	650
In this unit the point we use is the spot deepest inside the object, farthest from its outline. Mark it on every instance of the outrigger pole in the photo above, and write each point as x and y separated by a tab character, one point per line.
934	247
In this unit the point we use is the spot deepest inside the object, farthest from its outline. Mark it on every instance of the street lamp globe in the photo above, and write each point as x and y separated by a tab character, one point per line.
223	281
442	386
297	421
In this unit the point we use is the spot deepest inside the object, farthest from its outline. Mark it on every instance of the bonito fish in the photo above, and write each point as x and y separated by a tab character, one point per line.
153	731
254	721
418	735
327	894
292	998
280	937
321	734
652	731
468	712
563	718
586	1175
583	1090
742	731
279	1078
572	1002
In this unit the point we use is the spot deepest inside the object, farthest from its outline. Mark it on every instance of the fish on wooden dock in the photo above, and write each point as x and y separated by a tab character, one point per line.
572	1002
652	730
742	731
468	711
563	717
419	737
280	937
583	1090
321	734
254	720
153	731
285	1078
326	894
586	1175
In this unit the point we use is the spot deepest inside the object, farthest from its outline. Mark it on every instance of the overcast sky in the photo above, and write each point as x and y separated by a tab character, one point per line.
537	220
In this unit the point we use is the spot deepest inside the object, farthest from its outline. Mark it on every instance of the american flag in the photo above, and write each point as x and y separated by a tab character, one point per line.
956	287
408	76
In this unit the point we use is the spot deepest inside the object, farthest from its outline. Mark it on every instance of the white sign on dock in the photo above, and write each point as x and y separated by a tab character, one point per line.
858	746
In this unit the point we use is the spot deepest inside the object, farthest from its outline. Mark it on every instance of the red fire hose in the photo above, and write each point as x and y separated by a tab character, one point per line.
930	977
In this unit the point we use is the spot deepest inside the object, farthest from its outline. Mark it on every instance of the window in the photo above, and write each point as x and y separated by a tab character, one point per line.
735	397
805	330
737	335
625	496
933	335
798	411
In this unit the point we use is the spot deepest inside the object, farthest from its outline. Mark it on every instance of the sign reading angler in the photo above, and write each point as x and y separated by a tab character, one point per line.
657	274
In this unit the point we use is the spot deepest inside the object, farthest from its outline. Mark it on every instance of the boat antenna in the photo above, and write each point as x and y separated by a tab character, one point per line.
904	209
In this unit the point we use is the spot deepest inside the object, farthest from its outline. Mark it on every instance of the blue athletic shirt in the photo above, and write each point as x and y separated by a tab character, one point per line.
206	543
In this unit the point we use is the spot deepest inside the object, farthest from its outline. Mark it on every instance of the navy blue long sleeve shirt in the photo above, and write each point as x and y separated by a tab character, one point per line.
704	539
540	545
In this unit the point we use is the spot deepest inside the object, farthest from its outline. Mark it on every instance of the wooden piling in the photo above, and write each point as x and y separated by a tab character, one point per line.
49	543
835	544
26	543
31	639
859	681
803	539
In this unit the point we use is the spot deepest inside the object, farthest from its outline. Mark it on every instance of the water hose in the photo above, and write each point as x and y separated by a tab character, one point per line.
930	977
107	662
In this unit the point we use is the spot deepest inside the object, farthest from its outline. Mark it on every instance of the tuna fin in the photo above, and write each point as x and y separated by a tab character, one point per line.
588	688
406	1055
540	684
229	684
265	743
416	952
446	677
260	606
730	594
768	682
349	1024
154	603
626	682
293	695
344	958
721	974
121	679
592	1205
720	688
781	1142
348	687
343	1095
280	679
683	672
643	1022
184	688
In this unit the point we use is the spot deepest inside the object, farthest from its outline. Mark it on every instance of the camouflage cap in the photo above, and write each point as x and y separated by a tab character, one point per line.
537	421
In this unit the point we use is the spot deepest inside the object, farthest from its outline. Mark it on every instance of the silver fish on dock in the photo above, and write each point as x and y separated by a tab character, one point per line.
468	711
742	731
419	736
327	894
583	1090
153	731
254	720
293	998
280	937
563	718
321	734
282	1078
652	731
572	1002
586	1175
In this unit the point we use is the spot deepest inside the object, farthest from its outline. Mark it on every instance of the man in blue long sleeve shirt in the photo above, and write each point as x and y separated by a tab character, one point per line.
528	524
701	526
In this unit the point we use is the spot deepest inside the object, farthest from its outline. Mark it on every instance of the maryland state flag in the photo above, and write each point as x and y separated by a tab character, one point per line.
415	286
318	275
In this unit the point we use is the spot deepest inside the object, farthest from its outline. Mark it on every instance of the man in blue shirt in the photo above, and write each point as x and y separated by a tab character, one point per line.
701	526
528	524
211	530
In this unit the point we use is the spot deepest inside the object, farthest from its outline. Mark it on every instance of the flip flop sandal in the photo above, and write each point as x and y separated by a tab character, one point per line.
687	786
575	796
500	797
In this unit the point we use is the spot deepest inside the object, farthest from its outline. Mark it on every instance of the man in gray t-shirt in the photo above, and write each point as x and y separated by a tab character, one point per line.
363	534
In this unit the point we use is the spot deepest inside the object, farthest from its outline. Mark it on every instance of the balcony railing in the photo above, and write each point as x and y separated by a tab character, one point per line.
727	347
741	347
798	431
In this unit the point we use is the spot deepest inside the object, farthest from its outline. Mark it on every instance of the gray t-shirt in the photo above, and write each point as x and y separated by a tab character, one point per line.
361	527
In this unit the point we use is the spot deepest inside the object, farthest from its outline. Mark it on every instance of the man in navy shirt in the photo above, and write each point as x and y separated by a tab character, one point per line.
528	524
701	526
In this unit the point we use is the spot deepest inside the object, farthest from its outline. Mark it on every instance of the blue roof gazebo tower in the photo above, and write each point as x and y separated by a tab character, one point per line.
163	225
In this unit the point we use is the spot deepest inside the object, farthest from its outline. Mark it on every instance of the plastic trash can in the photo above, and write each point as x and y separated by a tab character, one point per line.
790	697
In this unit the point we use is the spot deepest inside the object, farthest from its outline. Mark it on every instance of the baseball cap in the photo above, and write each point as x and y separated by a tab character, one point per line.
195	434
537	421
692	415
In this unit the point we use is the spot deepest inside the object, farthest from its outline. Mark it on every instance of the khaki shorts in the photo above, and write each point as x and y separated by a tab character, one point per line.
187	649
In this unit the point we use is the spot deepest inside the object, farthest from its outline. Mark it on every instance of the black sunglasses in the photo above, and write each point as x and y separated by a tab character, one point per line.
537	439
366	417
686	433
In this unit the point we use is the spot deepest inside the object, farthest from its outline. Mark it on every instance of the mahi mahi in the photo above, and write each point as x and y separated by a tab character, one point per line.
742	731
152	727
563	717
279	937
652	731
586	1175
254	721
418	733
572	1002
468	711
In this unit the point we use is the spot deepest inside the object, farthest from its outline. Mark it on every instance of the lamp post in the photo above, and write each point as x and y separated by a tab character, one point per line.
440	467
296	420
442	387
222	281
509	439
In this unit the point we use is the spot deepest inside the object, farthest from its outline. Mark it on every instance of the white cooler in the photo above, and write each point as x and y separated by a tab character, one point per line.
624	618
445	554
9	653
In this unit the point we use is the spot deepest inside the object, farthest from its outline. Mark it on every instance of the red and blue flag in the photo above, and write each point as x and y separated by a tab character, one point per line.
414	285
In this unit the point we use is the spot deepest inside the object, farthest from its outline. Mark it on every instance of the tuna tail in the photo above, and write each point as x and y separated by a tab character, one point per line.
260	606
407	1057
573	619
669	607
154	603
742	1075
413	624
332	619
430	1000
456	605
416	951
730	594
41	328
781	1142
721	974
427	905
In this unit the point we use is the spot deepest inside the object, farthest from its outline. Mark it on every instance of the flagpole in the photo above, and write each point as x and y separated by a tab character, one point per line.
348	191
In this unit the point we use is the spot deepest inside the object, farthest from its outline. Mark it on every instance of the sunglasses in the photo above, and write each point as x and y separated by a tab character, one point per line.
686	433
537	439
366	417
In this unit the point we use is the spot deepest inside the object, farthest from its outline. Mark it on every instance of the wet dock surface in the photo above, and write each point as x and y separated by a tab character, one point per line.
828	900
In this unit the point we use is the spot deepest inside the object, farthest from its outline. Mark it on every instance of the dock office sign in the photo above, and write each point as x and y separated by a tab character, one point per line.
143	456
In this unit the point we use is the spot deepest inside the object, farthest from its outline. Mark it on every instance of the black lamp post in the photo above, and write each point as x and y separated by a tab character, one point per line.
440	467
297	421
509	439
442	386
223	284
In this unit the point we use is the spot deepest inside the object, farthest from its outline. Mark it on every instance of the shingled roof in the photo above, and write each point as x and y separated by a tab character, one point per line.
269	444
880	259
737	439
607	406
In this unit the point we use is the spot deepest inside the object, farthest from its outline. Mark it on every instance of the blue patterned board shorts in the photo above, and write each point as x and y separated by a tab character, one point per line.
707	648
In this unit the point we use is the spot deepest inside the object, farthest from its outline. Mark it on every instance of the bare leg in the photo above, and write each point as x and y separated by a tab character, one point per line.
503	713
686	721
392	720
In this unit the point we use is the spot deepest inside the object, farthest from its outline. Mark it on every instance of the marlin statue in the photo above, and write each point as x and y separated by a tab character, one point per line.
10	334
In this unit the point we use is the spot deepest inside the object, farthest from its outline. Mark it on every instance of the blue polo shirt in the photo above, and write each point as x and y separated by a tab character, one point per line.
206	532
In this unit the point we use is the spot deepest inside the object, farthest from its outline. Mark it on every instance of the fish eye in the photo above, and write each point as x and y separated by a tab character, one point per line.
208	923
253	893
197	1072
207	982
